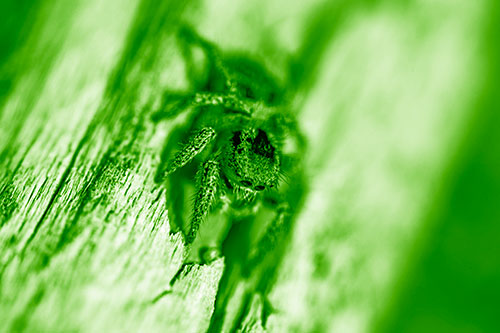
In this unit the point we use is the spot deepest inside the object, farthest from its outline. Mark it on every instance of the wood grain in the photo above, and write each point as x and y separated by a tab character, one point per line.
85	243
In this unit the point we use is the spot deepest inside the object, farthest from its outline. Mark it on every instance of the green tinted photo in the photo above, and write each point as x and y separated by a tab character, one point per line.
249	166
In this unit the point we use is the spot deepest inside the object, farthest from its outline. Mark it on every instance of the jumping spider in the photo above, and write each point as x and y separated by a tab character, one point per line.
240	136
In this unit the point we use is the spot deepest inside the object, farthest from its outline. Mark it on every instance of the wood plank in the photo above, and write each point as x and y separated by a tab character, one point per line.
85	242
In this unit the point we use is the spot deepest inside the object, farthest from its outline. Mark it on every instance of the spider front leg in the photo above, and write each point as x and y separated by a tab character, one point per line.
195	145
208	183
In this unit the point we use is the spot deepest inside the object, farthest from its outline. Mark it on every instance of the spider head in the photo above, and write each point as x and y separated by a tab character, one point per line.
252	161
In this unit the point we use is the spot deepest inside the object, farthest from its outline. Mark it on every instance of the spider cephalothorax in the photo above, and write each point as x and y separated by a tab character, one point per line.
251	161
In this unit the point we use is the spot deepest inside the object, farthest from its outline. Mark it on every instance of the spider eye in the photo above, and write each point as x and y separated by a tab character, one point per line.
259	187
246	183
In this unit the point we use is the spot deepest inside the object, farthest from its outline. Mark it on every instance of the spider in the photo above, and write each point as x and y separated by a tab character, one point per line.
241	141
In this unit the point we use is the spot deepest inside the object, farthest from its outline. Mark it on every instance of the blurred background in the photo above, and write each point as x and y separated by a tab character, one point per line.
398	100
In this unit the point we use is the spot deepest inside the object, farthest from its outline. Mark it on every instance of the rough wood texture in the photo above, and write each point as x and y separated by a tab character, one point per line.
84	234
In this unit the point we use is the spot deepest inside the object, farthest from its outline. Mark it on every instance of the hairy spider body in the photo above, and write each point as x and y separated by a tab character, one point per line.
236	163
236	135
242	142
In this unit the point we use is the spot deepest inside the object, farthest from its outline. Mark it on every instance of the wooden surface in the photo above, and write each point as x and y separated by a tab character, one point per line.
84	233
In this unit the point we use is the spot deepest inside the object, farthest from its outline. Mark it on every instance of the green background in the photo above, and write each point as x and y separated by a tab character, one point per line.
398	101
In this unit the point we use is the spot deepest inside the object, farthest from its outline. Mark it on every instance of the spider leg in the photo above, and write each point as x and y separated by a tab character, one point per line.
276	230
208	183
178	102
174	202
189	36
228	101
193	75
282	123
287	202
172	104
195	145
